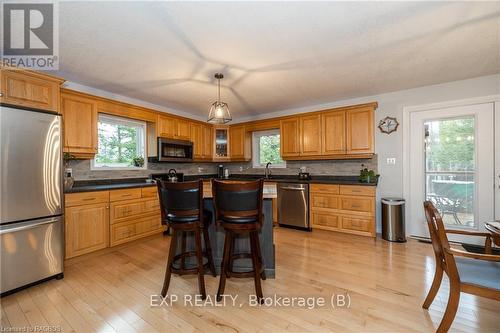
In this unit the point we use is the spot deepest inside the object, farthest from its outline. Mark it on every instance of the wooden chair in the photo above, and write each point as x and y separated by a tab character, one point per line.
238	209
472	273
182	209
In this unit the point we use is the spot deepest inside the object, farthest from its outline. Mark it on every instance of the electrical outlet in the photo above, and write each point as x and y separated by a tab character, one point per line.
241	168
391	161
69	172
200	169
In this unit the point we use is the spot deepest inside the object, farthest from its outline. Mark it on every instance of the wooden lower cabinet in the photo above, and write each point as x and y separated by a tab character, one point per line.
344	208
134	229
87	229
97	220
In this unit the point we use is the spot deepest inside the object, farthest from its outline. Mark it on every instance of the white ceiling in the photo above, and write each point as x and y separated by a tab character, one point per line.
275	56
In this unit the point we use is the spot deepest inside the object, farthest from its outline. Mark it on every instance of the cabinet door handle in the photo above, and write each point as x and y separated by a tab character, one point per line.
88	199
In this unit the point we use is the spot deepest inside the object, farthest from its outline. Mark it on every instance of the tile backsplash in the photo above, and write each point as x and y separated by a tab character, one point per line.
330	167
82	170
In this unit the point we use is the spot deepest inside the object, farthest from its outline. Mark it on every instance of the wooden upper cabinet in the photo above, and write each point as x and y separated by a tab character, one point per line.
30	89
239	143
360	131
208	139
196	131
183	129
86	228
289	137
310	135
333	133
80	124
166	127
173	128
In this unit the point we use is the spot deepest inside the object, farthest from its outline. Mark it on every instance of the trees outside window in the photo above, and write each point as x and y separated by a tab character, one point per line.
121	143
266	148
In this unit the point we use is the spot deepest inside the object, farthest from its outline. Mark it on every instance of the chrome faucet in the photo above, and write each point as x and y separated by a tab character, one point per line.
267	173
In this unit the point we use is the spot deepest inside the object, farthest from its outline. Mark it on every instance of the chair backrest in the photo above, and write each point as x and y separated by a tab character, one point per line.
238	200
438	236
180	199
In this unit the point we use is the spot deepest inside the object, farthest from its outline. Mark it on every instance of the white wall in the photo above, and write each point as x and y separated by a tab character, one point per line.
392	104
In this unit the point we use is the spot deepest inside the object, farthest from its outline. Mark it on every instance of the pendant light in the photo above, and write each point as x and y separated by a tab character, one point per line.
219	111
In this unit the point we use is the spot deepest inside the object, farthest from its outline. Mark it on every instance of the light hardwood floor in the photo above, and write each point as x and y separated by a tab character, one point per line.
110	291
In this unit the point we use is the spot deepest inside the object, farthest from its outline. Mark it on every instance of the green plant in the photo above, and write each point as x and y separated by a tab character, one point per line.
367	175
68	157
138	161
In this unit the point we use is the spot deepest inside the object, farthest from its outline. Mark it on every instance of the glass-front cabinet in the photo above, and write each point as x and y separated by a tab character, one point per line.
221	142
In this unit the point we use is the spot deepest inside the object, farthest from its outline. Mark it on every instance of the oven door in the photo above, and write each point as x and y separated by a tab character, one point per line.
170	150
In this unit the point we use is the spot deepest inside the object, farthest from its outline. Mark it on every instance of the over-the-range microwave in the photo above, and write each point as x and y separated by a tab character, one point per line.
172	150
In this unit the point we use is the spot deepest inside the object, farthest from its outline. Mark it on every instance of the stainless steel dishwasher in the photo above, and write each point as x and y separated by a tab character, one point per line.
293	205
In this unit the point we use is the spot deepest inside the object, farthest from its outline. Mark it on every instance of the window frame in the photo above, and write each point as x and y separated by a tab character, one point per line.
127	122
256	135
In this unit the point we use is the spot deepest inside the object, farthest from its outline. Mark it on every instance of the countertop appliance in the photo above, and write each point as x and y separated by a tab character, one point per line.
304	176
293	205
31	201
168	176
173	150
172	176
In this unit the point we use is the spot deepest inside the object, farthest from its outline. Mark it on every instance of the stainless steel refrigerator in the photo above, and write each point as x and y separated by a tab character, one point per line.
31	221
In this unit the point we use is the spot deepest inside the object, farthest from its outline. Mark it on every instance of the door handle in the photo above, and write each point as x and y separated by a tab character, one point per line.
27	227
293	189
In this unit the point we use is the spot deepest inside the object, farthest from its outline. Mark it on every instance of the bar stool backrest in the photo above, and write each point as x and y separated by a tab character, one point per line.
180	200
238	201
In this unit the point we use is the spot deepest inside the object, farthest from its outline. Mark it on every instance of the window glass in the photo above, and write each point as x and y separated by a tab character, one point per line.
266	148
121	143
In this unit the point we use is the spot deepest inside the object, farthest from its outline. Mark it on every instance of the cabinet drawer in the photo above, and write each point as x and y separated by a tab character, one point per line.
121	232
148	225
86	198
125	194
325	188
129	231
357	224
320	200
357	204
148	192
357	190
325	220
121	210
130	208
151	206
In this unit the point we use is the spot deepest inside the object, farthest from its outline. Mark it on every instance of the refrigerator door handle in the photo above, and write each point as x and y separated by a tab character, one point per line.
6	229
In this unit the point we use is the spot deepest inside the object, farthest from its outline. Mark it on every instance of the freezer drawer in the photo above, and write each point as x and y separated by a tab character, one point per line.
30	251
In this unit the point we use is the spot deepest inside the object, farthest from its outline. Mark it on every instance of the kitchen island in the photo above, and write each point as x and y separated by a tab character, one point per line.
242	243
128	209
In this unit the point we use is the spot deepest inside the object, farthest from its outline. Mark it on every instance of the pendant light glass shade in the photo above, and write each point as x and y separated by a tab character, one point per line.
219	111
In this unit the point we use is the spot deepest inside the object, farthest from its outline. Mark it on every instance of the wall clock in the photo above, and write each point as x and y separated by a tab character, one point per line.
388	125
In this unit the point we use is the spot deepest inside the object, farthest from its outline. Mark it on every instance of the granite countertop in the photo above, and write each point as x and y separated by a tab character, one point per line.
341	180
116	184
109	184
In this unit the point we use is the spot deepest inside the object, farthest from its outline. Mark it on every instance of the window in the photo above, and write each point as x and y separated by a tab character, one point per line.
121	143
266	148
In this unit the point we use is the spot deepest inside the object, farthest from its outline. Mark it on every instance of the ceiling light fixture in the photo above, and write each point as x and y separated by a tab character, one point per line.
219	111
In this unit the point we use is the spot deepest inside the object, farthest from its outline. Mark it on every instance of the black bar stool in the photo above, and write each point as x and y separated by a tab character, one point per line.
238	209
182	210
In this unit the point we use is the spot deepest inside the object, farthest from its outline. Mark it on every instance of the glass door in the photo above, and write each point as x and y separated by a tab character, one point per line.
452	165
450	159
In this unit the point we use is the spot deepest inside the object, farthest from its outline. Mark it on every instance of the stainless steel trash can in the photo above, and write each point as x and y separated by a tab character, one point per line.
393	219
